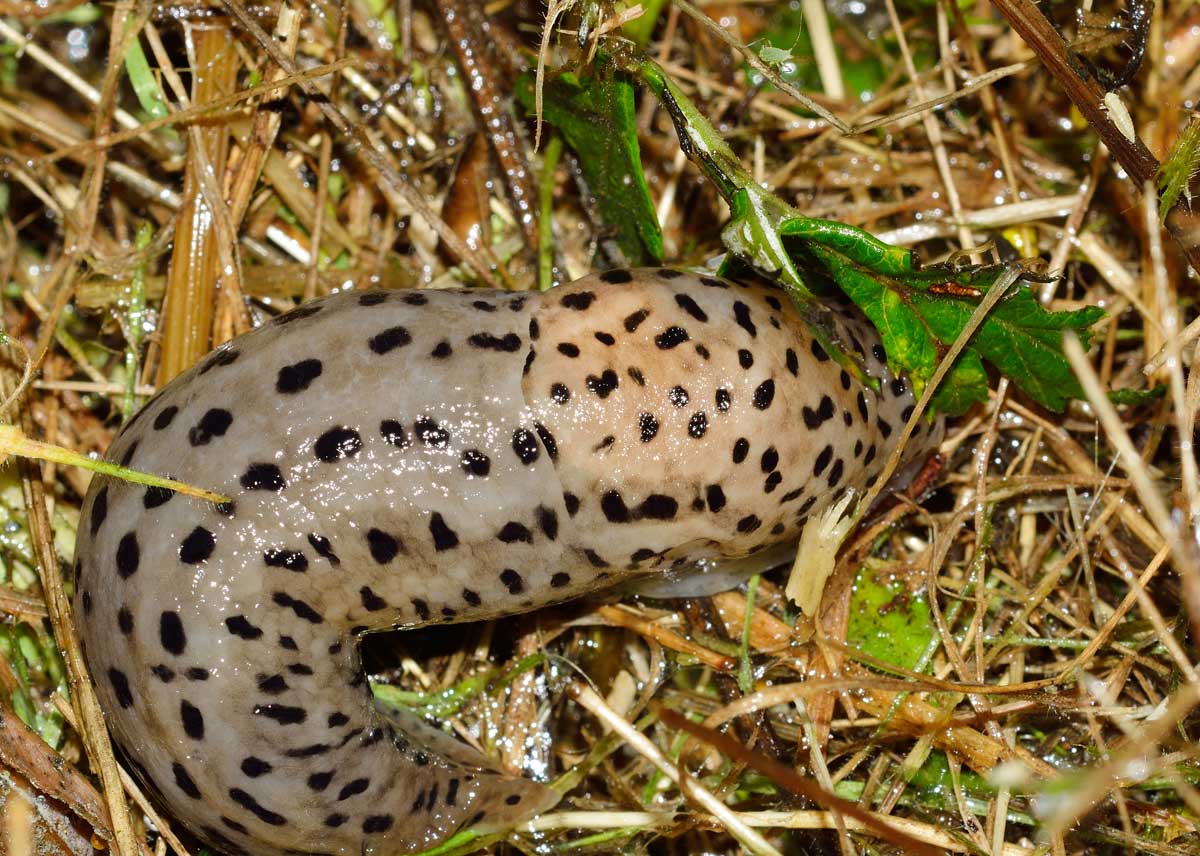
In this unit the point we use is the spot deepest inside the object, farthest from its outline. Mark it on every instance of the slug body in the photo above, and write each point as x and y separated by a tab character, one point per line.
401	458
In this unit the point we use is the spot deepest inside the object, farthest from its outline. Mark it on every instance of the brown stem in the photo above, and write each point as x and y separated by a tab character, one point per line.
491	110
1087	95
191	294
702	616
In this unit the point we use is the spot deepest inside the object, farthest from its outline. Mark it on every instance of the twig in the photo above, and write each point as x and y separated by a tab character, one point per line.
786	777
93	729
1086	94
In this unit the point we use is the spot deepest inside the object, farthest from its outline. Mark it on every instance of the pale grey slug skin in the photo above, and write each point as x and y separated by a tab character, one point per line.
410	457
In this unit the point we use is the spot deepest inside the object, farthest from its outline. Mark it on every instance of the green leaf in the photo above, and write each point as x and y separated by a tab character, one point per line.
917	325
1178	169
964	385
919	312
1137	397
144	83
596	118
640	29
887	620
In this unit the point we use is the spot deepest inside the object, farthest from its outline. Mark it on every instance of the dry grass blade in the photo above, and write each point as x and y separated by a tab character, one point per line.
761	67
1184	548
203	235
623	618
196	112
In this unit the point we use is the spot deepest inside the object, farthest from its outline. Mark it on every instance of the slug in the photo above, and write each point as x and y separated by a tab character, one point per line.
403	458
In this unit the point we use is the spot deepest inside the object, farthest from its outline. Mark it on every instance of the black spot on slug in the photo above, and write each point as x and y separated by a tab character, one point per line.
197	547
671	337
184	781
120	685
171	633
336	444
476	463
524	444
214	423
165	417
508	343
252	805
192	719
261	476
389	340
578	301
297	377
293	560
128	555
444	538
741	313
691	307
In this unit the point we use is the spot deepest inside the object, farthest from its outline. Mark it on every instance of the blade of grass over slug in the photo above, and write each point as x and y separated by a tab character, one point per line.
595	115
919	311
14	442
789	779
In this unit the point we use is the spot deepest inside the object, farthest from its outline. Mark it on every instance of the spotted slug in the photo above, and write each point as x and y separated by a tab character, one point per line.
404	458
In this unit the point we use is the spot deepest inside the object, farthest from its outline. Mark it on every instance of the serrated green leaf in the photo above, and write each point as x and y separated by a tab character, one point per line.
595	115
919	312
1020	337
966	384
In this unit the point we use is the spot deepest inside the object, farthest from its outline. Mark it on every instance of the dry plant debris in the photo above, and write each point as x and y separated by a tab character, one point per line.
1003	665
